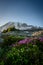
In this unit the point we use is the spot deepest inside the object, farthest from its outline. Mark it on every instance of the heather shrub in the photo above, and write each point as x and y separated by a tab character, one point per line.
39	44
1	52
27	52
23	55
1	62
11	40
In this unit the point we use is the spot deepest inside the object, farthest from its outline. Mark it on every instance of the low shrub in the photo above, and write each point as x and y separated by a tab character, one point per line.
23	55
11	40
29	52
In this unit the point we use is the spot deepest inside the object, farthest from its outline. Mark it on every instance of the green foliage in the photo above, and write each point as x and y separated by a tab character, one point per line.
1	52
10	29
4	31
39	44
23	55
11	40
2	63
26	54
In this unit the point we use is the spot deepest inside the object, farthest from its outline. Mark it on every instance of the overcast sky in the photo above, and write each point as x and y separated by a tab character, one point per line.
27	11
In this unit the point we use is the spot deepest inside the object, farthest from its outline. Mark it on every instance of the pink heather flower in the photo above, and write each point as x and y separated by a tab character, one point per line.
41	39
25	41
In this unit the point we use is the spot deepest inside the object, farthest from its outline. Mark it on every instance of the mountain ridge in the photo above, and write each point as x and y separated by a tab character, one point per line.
17	25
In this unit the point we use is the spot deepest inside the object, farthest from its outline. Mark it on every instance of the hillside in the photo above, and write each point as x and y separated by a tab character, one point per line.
39	33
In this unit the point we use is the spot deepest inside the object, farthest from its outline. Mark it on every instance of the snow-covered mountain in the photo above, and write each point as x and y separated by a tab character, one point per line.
7	25
17	25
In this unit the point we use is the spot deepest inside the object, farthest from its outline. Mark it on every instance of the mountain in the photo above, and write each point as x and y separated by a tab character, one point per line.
17	25
6	26
20	26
